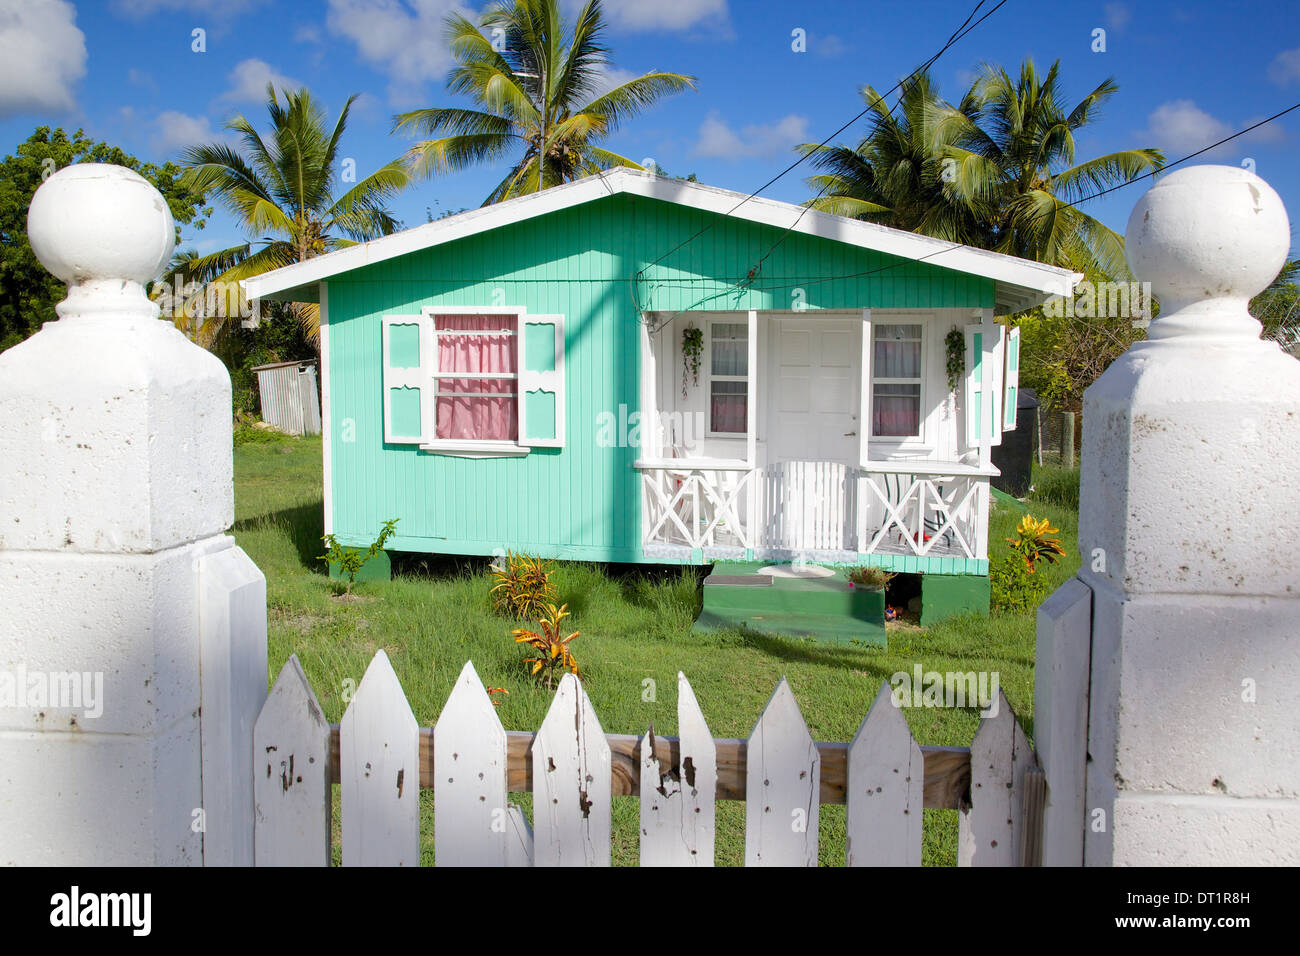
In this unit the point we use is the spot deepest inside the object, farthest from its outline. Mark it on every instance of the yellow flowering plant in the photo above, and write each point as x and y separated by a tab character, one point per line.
553	650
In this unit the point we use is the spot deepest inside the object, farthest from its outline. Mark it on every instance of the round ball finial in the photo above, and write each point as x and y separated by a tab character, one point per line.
1207	232
94	221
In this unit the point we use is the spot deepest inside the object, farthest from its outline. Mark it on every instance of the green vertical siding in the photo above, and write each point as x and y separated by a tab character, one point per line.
581	501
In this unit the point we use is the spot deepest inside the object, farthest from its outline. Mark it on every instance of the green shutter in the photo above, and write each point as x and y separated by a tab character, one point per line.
406	348
541	381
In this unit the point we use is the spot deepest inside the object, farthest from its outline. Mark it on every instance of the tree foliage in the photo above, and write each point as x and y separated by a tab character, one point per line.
998	170
282	189
536	79
28	293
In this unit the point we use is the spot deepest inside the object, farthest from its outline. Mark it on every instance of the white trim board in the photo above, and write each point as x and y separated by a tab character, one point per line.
326	418
1019	283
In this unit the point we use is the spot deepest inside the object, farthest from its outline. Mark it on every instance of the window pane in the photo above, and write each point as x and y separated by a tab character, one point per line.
896	359
728	407
460	413
477	419
730	348
896	411
476	353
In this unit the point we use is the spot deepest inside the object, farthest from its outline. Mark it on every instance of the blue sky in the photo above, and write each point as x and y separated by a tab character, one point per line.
126	71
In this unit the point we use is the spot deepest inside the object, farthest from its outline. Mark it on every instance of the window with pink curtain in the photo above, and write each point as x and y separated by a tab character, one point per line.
476	395
728	377
896	381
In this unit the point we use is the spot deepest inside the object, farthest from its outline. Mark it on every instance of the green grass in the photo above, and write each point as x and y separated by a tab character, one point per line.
635	628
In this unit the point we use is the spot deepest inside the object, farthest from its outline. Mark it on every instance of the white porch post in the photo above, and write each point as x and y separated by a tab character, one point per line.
1188	529
116	579
864	498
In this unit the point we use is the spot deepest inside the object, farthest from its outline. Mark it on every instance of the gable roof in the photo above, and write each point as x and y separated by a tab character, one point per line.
1018	283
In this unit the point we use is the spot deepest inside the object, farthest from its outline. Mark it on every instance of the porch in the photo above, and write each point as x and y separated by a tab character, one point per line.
903	516
824	437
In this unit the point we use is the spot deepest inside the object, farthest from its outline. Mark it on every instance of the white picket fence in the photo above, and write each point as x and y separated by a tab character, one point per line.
381	758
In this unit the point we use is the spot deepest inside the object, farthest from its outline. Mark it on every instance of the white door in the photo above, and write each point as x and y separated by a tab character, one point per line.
812	432
816	389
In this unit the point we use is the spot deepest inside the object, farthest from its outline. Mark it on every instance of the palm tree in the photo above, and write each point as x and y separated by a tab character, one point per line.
998	171
895	176
282	189
1020	158
537	96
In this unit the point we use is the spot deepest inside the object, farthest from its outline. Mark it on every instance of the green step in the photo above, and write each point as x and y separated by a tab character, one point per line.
826	609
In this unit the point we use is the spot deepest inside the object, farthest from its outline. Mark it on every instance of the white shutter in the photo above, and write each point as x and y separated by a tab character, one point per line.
541	381
1011	380
407	355
973	399
994	351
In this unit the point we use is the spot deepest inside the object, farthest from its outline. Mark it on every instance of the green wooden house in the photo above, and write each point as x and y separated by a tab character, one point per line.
630	368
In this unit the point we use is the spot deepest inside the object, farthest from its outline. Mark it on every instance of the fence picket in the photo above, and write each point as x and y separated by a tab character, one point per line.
886	789
519	837
380	772
469	783
988	833
782	784
677	810
291	820
571	783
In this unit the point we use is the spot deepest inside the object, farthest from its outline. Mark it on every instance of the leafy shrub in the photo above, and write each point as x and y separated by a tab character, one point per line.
352	560
523	586
1012	589
1014	584
870	579
246	432
1033	544
554	654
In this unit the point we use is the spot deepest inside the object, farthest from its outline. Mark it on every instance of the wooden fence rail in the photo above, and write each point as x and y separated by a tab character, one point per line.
381	759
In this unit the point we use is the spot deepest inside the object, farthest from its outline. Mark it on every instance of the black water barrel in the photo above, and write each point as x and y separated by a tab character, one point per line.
1015	456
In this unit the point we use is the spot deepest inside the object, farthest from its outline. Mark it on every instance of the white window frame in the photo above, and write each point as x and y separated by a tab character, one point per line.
710	377
473	447
879	319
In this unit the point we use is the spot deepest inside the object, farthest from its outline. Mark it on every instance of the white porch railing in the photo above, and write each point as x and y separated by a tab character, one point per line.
807	507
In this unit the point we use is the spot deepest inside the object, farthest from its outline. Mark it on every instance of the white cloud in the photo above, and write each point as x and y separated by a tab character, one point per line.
717	138
644	15
611	77
42	56
1285	67
402	41
1180	127
249	78
139	9
829	45
174	130
1117	16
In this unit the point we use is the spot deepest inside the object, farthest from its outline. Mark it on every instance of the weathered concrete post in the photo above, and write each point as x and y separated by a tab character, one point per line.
124	606
1188	530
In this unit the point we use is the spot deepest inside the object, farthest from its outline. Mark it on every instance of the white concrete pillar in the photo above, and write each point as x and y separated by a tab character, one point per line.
1189	530
115	490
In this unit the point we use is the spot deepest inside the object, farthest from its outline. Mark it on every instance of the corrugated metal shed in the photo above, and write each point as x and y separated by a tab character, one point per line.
290	399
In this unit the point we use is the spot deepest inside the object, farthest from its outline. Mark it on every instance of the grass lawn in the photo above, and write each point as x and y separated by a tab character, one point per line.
635	626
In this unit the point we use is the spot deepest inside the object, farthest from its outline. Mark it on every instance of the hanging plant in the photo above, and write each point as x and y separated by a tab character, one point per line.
692	350
955	345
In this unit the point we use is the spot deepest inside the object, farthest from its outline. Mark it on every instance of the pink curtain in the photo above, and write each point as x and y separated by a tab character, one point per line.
727	412
896	411
475	418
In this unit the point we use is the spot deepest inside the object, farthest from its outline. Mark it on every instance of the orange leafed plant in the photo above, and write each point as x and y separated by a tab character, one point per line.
523	585
553	650
1033	543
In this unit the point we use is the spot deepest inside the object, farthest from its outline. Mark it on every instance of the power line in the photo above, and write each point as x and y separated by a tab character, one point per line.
957	35
1075	205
